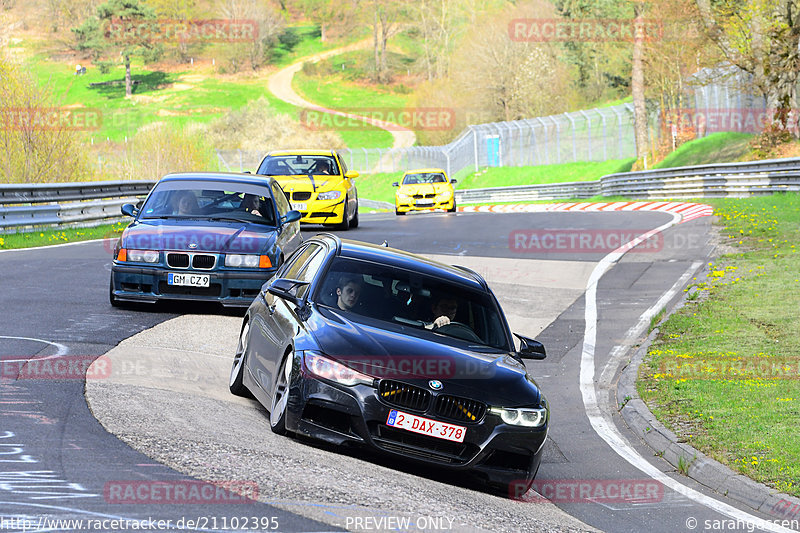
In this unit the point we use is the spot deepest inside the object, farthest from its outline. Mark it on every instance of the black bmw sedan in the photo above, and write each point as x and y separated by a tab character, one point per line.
359	344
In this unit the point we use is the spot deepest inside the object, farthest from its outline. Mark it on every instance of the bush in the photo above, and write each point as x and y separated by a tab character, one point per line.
159	148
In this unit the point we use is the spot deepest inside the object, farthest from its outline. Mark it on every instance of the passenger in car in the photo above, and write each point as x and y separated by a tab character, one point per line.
348	292
184	203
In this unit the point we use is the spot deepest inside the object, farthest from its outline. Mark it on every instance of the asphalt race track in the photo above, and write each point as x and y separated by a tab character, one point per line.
162	417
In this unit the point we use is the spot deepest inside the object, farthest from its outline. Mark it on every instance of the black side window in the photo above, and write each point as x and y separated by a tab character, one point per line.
342	163
280	199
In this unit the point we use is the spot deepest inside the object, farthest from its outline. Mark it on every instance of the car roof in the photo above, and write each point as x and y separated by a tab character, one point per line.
420	170
406	260
219	176
301	152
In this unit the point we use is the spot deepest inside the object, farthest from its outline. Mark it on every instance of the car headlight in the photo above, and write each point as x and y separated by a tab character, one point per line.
325	368
532	417
403	195
142	256
247	261
329	195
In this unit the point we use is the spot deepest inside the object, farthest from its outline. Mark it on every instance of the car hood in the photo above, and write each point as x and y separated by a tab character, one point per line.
425	188
199	236
302	183
407	354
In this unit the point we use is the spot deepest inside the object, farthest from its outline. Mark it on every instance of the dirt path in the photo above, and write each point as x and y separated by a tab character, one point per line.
280	84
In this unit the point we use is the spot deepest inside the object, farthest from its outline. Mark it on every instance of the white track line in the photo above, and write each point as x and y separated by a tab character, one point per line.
602	423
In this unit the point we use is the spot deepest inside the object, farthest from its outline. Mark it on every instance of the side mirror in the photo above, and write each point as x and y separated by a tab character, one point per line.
129	210
395	184
287	289
291	216
351	174
453	181
530	348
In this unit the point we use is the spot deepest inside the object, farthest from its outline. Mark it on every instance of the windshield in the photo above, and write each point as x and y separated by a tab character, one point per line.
424	177
408	298
210	200
295	165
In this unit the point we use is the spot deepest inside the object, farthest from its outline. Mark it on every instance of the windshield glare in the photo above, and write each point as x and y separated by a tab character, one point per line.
296	165
424	177
245	202
408	298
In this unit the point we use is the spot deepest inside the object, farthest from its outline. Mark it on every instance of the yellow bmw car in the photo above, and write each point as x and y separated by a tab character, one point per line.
317	183
424	190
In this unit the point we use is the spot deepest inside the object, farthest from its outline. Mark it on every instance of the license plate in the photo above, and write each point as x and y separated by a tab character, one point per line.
426	426
188	280
425	202
300	207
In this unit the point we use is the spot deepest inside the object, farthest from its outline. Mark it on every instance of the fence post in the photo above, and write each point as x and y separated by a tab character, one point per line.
574	146
619	130
475	145
366	160
588	131
546	143
558	140
447	157
605	135
532	128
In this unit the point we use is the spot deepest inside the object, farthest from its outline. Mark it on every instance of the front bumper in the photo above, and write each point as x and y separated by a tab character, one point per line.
322	211
149	284
411	204
502	455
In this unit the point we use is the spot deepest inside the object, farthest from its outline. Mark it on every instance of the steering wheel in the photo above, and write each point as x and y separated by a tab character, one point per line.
459	330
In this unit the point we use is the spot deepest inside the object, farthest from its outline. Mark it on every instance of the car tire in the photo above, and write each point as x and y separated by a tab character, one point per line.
280	397
452	209
235	383
345	223
354	221
399	213
111	298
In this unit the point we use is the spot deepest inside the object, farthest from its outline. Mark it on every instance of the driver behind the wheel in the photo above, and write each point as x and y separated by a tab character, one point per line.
347	292
444	308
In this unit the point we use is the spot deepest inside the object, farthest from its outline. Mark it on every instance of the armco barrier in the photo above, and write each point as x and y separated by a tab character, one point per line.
44	204
82	203
702	181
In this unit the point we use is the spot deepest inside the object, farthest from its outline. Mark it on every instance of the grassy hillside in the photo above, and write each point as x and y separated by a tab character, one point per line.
716	148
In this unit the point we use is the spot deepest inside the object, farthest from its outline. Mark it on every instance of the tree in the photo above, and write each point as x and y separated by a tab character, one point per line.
36	148
269	25
761	37
120	28
438	26
637	84
387	15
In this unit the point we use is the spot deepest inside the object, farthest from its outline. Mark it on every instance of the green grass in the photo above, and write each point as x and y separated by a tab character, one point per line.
724	373
716	148
49	236
335	92
543	174
161	97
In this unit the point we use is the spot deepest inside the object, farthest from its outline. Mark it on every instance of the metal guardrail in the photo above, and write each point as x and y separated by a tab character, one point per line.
721	180
85	203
